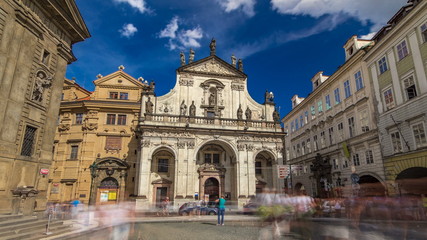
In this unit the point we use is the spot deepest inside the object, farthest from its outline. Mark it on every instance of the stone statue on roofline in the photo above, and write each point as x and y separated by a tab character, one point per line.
192	110
240	112
183	108
240	65
248	113
149	106
182	56
191	56
212	46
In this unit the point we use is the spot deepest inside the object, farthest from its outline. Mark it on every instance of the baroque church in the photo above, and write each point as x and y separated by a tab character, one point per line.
207	137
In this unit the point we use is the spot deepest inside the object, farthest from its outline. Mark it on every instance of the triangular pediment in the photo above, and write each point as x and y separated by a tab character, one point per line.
118	79
212	65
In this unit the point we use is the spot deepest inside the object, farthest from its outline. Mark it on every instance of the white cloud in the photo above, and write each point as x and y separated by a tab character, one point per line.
138	4
181	39
231	5
376	11
128	30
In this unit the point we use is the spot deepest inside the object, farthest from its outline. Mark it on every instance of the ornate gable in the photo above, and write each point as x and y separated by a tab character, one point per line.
212	65
118	79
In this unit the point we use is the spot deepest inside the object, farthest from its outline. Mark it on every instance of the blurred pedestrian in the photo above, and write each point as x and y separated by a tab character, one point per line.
221	210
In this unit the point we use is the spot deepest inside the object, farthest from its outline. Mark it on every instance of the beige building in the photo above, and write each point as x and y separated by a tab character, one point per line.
207	137
332	135
398	67
35	47
95	144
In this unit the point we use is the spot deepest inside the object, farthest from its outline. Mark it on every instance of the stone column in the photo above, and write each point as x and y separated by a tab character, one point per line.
143	186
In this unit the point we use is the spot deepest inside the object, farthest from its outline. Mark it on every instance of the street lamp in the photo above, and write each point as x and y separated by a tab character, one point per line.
93	173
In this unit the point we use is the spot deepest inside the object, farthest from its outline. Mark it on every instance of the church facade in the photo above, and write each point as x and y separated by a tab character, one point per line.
207	137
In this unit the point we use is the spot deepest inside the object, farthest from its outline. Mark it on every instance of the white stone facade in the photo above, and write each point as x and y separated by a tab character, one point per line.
207	137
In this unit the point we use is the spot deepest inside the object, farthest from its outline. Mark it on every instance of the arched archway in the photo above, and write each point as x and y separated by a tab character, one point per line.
371	186
264	167
211	188
163	165
412	181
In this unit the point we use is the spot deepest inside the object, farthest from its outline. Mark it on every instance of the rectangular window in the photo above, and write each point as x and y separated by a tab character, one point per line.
28	142
258	169
320	106
388	98
331	135
322	140
424	32
369	157
303	148
301	121
308	146
337	96
335	163
419	135
124	96
74	152
298	150
114	95
382	64
313	112
79	118
328	102
306	117
121	119
351	128
111	119
347	89
345	163
359	80
208	158
341	131
215	158
163	165
45	57
396	142
296	124
364	120
356	160
402	50
316	146
409	86
292	126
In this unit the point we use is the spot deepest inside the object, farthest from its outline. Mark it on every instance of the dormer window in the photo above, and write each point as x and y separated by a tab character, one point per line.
350	51
114	95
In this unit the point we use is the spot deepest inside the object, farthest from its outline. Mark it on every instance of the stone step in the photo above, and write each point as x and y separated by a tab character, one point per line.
30	226
10	217
18	221
38	233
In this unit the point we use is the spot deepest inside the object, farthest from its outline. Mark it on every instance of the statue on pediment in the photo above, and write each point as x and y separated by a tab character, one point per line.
212	46
269	97
149	106
240	63
192	110
182	56
233	60
276	116
191	56
183	108
240	112
248	113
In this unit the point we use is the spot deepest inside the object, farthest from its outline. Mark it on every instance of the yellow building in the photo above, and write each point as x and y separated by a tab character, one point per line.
36	38
95	140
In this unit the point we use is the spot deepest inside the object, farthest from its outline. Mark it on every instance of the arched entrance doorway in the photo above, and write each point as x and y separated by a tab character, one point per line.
412	181
371	186
264	165
108	191
211	189
163	165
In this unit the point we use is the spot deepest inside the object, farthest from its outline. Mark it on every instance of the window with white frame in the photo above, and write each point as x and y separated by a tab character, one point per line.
303	148
331	135
388	99
424	32
364	120
308	146
345	163
292	126
306	117
410	88
402	50
322	139
316	145
356	160
337	96
301	120
396	142
79	118
359	80
335	163
341	131
313	112
351	128
320	106
347	89
419	135
296	125
369	157
328	102
382	65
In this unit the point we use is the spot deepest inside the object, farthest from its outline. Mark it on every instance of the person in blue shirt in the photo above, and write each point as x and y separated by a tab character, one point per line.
221	210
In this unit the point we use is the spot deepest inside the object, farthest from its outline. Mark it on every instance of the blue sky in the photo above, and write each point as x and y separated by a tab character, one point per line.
283	43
